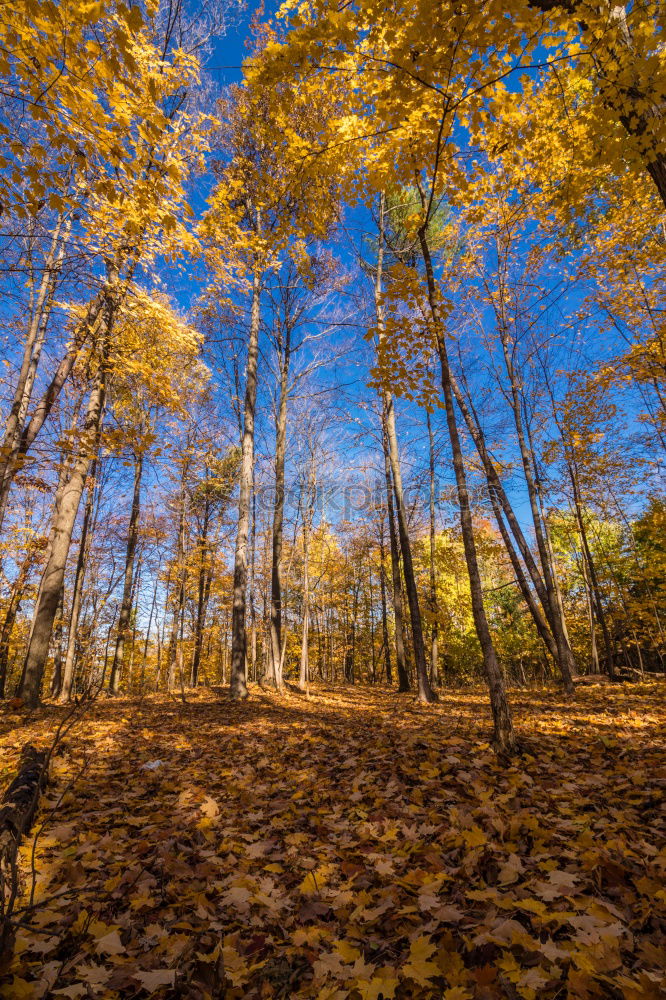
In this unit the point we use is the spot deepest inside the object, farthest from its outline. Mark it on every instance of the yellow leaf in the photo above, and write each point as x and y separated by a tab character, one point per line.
474	837
309	885
20	989
315	880
346	951
418	967
382	986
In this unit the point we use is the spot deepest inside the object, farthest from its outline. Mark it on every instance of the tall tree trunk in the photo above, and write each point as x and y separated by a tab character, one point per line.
284	346
77	593
63	525
371	626
549	549
136	597
105	662
253	609
126	603
565	656
308	513
237	685
350	638
594	653
556	582
425	692
202	601
88	329
303	677
56	679
41	308
434	610
595	590
503	724
161	632
501	501
179	602
382	590
13	608
146	643
400	659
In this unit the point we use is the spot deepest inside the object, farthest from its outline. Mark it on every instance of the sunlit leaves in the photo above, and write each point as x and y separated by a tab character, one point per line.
332	864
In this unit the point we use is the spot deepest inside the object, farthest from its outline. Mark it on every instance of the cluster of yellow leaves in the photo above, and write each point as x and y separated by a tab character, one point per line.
414	73
561	102
155	355
265	203
106	134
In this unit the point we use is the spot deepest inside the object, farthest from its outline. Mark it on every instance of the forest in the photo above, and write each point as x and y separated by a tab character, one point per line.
332	499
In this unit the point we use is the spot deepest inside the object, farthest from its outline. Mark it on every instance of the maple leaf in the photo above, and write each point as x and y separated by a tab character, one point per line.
474	837
382	986
237	895
315	880
209	807
154	980
418	967
110	944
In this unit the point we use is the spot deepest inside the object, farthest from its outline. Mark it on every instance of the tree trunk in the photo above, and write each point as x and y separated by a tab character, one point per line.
303	678
147	639
96	316
12	610
136	596
172	652
434	610
278	509
253	610
594	654
382	590
63	525
401	663
499	499
566	661
126	603
77	593
56	679
202	595
595	590
503	725
237	686
32	349
304	674
425	692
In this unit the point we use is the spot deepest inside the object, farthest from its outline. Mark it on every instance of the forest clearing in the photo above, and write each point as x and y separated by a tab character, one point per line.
347	844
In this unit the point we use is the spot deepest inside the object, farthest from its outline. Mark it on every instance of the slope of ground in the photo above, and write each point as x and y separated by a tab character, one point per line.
350	844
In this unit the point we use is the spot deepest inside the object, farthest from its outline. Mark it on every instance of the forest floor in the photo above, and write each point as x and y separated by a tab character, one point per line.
349	844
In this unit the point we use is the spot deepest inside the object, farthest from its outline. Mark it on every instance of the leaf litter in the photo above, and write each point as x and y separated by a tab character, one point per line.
350	844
